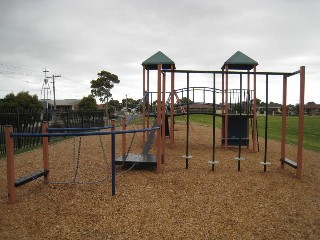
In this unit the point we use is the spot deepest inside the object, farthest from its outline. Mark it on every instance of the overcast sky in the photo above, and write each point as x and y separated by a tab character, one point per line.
77	39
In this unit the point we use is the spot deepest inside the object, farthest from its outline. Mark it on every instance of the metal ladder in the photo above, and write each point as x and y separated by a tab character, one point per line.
151	136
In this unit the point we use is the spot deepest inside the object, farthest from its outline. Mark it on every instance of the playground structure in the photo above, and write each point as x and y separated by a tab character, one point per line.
239	112
235	123
10	135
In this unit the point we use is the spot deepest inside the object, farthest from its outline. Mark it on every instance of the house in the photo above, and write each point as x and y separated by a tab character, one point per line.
312	109
273	108
62	105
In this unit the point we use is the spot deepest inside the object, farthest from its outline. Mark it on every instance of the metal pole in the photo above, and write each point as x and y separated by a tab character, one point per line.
124	140
10	165
45	145
214	121
266	126
113	165
187	142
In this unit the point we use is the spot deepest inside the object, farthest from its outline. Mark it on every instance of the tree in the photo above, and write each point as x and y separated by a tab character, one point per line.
115	104
185	100
88	103
101	87
21	100
130	103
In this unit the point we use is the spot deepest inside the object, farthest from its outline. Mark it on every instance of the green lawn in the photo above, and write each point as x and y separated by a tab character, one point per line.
311	128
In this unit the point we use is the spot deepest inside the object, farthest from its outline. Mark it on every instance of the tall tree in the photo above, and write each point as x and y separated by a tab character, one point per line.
88	103
101	87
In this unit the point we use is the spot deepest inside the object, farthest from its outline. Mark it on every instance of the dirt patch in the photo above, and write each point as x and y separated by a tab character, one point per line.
185	204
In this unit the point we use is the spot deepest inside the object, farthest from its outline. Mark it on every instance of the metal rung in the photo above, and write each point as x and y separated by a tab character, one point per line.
29	178
213	162
187	157
239	158
265	163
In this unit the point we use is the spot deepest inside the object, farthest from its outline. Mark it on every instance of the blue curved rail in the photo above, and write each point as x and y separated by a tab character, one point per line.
80	133
77	129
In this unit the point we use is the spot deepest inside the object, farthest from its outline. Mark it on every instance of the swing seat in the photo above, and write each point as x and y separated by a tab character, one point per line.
29	178
289	162
137	159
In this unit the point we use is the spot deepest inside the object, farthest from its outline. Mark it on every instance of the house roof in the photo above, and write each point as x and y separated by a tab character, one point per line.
240	61
312	105
65	102
158	58
274	105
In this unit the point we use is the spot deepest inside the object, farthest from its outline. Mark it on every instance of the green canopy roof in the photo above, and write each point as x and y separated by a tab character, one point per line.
158	58
240	61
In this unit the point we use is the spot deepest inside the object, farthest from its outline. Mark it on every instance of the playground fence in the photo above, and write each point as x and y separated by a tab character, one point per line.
29	121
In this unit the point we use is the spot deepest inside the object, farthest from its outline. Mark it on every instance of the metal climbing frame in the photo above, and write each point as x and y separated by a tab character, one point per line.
9	134
284	160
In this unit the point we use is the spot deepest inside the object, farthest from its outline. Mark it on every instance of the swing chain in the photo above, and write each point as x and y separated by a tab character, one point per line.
103	151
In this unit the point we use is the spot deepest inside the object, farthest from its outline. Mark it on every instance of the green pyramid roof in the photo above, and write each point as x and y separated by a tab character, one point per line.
240	61
158	58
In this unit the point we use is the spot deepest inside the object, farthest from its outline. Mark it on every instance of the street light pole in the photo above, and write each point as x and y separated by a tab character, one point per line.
54	90
126	103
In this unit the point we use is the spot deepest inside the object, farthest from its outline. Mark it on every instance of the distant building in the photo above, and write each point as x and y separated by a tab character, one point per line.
62	105
273	108
313	109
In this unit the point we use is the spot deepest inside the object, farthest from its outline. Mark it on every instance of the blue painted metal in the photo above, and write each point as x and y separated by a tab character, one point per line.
80	133
77	129
136	108
113	164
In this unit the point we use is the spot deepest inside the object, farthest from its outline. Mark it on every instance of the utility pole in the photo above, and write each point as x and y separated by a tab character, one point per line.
54	90
126	103
45	87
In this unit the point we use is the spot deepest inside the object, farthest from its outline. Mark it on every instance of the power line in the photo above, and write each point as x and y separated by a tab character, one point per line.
15	68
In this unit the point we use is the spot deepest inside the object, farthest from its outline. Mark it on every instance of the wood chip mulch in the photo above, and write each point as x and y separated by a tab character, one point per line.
177	204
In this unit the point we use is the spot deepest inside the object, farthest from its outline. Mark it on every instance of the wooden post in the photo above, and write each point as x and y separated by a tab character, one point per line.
301	122
163	116
226	112
159	147
124	140
45	150
172	106
10	165
223	104
254	110
248	107
149	97
284	121
144	105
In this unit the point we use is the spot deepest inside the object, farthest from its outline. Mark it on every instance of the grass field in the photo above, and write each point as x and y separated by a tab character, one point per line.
311	128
